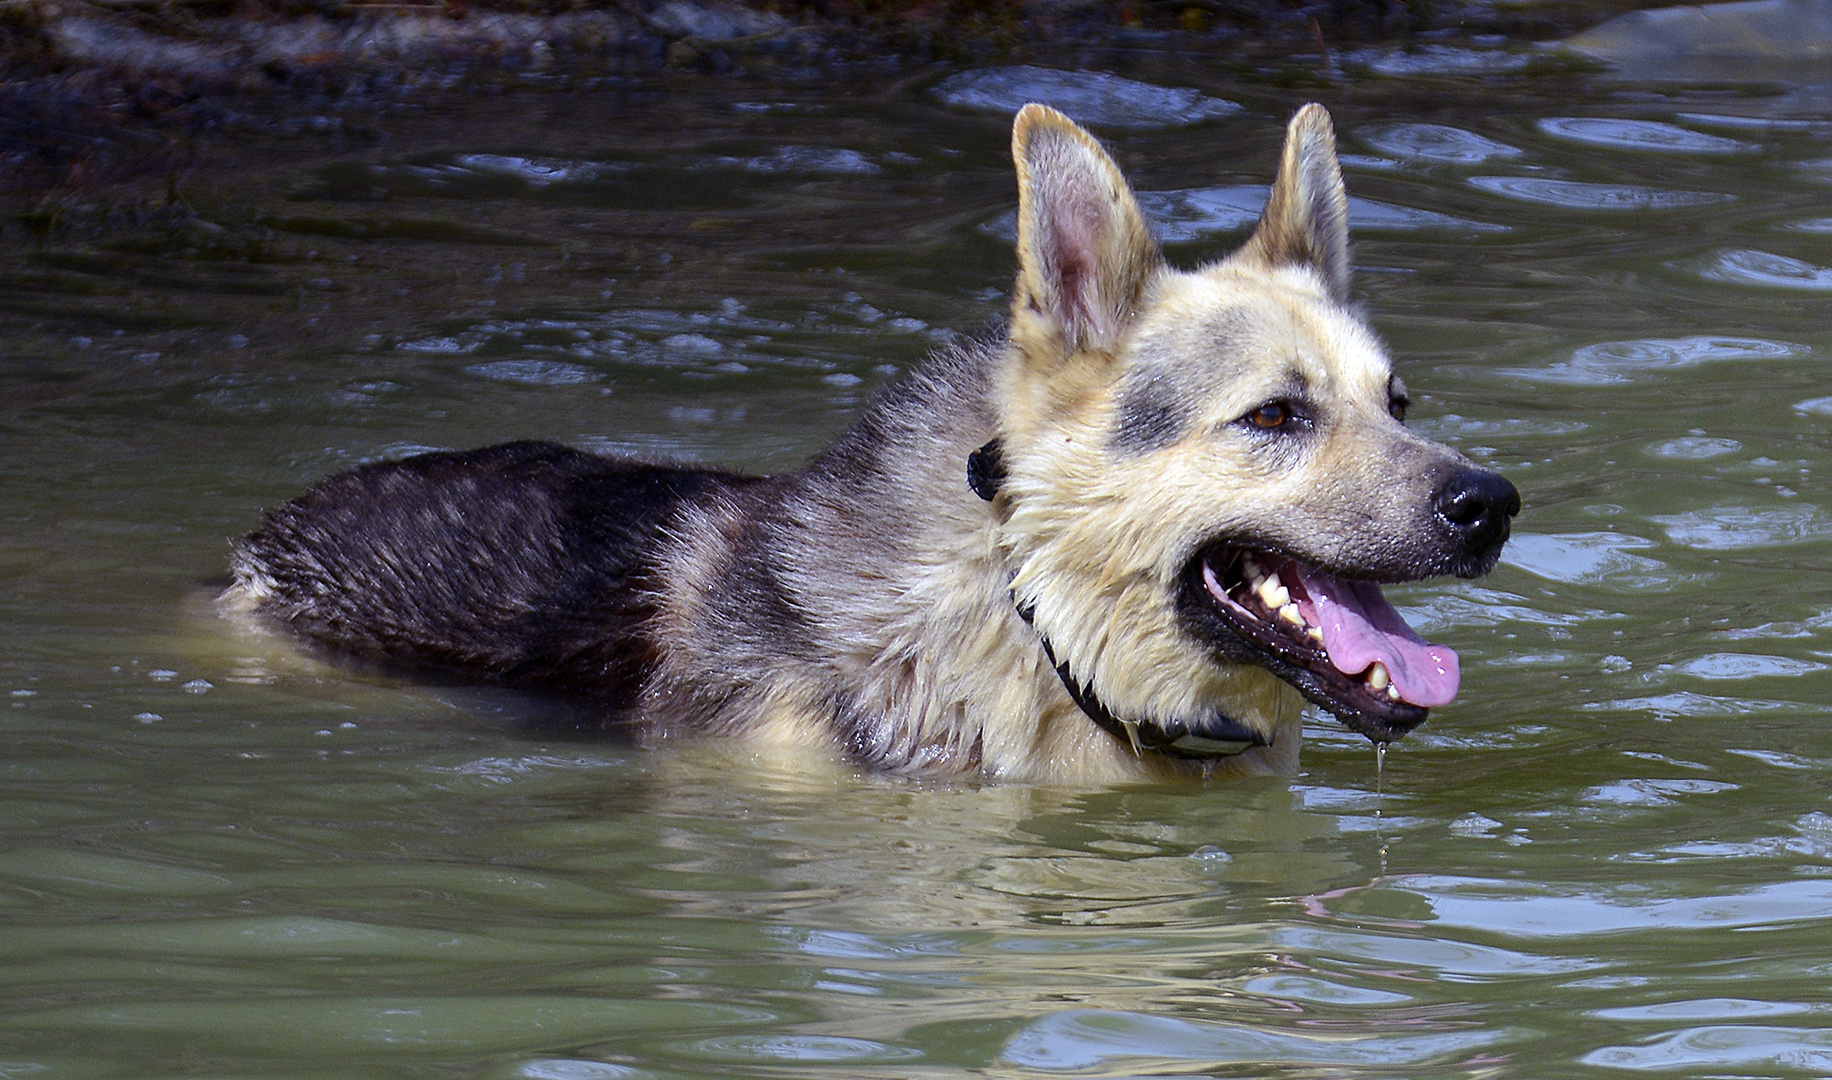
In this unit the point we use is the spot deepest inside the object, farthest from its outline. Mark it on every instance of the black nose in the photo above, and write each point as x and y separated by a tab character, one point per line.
1477	505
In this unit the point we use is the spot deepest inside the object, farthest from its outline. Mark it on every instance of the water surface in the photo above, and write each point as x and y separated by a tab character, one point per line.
1613	856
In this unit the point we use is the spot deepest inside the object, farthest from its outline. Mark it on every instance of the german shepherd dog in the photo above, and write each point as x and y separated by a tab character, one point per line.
1128	539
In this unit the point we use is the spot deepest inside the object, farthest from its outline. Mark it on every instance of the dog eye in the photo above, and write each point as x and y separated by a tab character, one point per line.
1397	406
1273	414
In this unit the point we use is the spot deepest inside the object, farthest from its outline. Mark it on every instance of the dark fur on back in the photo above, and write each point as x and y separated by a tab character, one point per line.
526	563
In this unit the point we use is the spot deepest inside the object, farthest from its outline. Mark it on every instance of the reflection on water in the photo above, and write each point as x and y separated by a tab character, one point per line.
222	857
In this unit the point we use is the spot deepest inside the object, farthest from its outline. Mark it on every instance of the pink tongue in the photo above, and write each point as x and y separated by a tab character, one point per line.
1360	627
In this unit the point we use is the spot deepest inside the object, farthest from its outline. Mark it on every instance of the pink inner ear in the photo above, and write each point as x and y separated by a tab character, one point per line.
1074	284
1083	249
1074	258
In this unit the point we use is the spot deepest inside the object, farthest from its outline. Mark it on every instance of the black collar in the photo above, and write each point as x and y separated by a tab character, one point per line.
1229	737
986	470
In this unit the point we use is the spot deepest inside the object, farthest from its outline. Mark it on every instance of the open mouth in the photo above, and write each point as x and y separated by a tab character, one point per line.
1338	641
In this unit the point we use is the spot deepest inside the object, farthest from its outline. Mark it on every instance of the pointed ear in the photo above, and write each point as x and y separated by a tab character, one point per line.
1084	251
1306	220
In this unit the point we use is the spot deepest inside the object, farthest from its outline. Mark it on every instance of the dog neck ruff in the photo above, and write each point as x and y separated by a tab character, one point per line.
1222	736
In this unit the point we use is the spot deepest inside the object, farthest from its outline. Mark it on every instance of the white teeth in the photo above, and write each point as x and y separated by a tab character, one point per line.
1378	679
1315	633
1289	612
1273	594
1392	693
1250	569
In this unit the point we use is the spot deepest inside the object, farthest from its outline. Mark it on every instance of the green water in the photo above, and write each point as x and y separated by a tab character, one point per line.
1613	855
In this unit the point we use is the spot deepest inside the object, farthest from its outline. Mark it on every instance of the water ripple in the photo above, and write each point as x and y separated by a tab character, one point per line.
1734	528
726	341
806	1049
1076	1040
1649	792
1738	666
573	1069
1720	1047
1573	195
1094	98
1472	606
812	160
351	1024
1621	361
1322	991
1438	60
1621	134
1748	266
1695	447
1430	957
1437	144
1706	1009
1585	558
1188	215
1686	704
1756	123
535	372
537	172
1531	910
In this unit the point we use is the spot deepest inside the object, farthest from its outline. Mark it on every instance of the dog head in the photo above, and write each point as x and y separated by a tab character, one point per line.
1207	474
